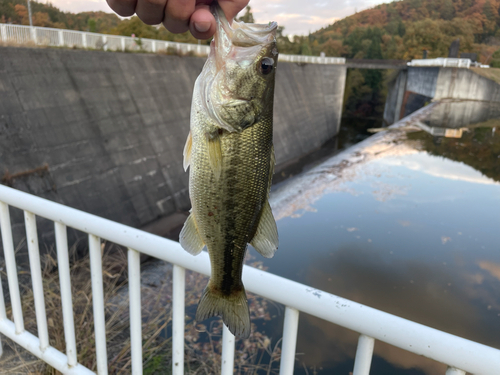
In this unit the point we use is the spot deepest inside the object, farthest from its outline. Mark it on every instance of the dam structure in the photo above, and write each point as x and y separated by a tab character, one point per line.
104	132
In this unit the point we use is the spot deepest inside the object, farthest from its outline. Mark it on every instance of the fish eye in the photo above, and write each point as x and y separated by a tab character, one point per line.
266	65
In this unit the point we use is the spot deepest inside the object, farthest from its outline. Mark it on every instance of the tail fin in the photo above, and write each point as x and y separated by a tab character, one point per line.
233	310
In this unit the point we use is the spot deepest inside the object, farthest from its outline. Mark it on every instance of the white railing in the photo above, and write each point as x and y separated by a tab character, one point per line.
447	62
20	34
459	354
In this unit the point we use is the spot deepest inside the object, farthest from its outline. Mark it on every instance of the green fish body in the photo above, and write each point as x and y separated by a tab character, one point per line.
231	158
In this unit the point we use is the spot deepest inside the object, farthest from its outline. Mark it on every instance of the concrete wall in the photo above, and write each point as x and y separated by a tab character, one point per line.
394	100
111	127
423	84
462	114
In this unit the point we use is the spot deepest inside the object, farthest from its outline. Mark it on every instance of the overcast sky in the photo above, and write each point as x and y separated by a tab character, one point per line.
298	16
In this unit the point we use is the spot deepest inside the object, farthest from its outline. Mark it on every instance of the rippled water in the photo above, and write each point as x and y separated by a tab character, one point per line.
410	226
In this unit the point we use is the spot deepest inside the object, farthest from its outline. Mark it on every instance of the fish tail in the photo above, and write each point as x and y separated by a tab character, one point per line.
232	308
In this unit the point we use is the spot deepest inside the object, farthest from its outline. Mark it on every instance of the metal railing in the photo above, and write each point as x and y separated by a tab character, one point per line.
447	62
459	354
46	36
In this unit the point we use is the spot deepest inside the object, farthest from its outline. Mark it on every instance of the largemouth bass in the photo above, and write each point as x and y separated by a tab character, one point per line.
230	154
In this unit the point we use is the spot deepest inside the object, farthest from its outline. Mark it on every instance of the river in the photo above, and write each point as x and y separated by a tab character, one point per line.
408	223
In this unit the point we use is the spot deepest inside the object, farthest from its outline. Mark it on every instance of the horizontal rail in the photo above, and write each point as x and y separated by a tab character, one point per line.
50	355
83	39
452	350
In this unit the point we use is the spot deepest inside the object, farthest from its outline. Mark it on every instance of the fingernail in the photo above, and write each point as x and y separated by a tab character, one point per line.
202	27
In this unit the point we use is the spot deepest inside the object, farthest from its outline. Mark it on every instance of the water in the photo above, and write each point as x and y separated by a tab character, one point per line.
410	227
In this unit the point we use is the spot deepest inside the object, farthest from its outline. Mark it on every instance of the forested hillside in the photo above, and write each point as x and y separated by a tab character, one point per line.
403	29
397	30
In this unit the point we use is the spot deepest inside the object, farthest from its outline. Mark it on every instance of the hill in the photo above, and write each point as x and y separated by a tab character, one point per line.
403	29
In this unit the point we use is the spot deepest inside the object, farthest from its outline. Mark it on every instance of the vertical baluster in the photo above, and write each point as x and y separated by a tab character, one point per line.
3	313
178	314
98	303
36	279
227	360
290	327
66	299
10	263
364	354
134	285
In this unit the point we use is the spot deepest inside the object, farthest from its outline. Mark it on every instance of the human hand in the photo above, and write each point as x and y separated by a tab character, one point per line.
178	16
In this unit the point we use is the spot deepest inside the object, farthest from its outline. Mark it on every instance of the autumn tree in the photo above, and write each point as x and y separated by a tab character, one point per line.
247	17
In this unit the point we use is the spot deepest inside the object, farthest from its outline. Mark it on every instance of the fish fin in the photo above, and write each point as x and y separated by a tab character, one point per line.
265	240
187	152
215	155
190	238
233	309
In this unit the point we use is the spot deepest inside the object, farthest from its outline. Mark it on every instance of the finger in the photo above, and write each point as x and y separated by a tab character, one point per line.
151	12
124	8
202	22
177	15
232	7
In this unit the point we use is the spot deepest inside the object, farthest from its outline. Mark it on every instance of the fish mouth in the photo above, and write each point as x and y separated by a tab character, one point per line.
240	34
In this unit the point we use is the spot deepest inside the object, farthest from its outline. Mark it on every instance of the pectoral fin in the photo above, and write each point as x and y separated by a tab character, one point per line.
187	152
214	154
190	238
265	240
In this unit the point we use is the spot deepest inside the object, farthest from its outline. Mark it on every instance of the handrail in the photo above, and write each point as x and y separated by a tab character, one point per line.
372	324
83	39
447	62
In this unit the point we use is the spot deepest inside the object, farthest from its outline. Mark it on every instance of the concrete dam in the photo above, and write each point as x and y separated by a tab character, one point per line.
104	132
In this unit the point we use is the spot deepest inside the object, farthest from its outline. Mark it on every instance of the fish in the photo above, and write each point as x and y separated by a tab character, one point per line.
230	155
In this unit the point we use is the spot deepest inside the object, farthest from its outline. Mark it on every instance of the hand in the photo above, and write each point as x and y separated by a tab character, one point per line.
178	16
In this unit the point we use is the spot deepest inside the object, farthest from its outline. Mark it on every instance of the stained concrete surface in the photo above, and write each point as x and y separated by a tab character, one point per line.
104	132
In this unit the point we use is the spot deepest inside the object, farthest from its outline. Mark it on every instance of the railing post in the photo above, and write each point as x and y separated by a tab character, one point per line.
364	354
84	39
3	28
36	278
65	285
122	40
178	315
10	263
61	38
134	285
227	360
3	312
105	43
290	328
98	303
153	46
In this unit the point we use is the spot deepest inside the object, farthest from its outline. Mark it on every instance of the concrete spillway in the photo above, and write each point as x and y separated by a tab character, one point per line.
104	132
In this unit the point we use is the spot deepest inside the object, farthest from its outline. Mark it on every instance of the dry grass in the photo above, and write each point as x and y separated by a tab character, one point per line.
490	73
202	343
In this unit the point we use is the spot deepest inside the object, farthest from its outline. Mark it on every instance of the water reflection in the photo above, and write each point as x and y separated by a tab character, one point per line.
405	225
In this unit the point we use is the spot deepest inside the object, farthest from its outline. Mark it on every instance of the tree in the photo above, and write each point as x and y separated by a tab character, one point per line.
488	11
247	17
22	13
447	10
92	25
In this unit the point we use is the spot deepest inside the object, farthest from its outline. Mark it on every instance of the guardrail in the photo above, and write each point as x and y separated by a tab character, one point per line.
46	36
447	62
459	354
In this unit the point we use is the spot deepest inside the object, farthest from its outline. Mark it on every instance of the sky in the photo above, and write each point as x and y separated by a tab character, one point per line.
298	16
